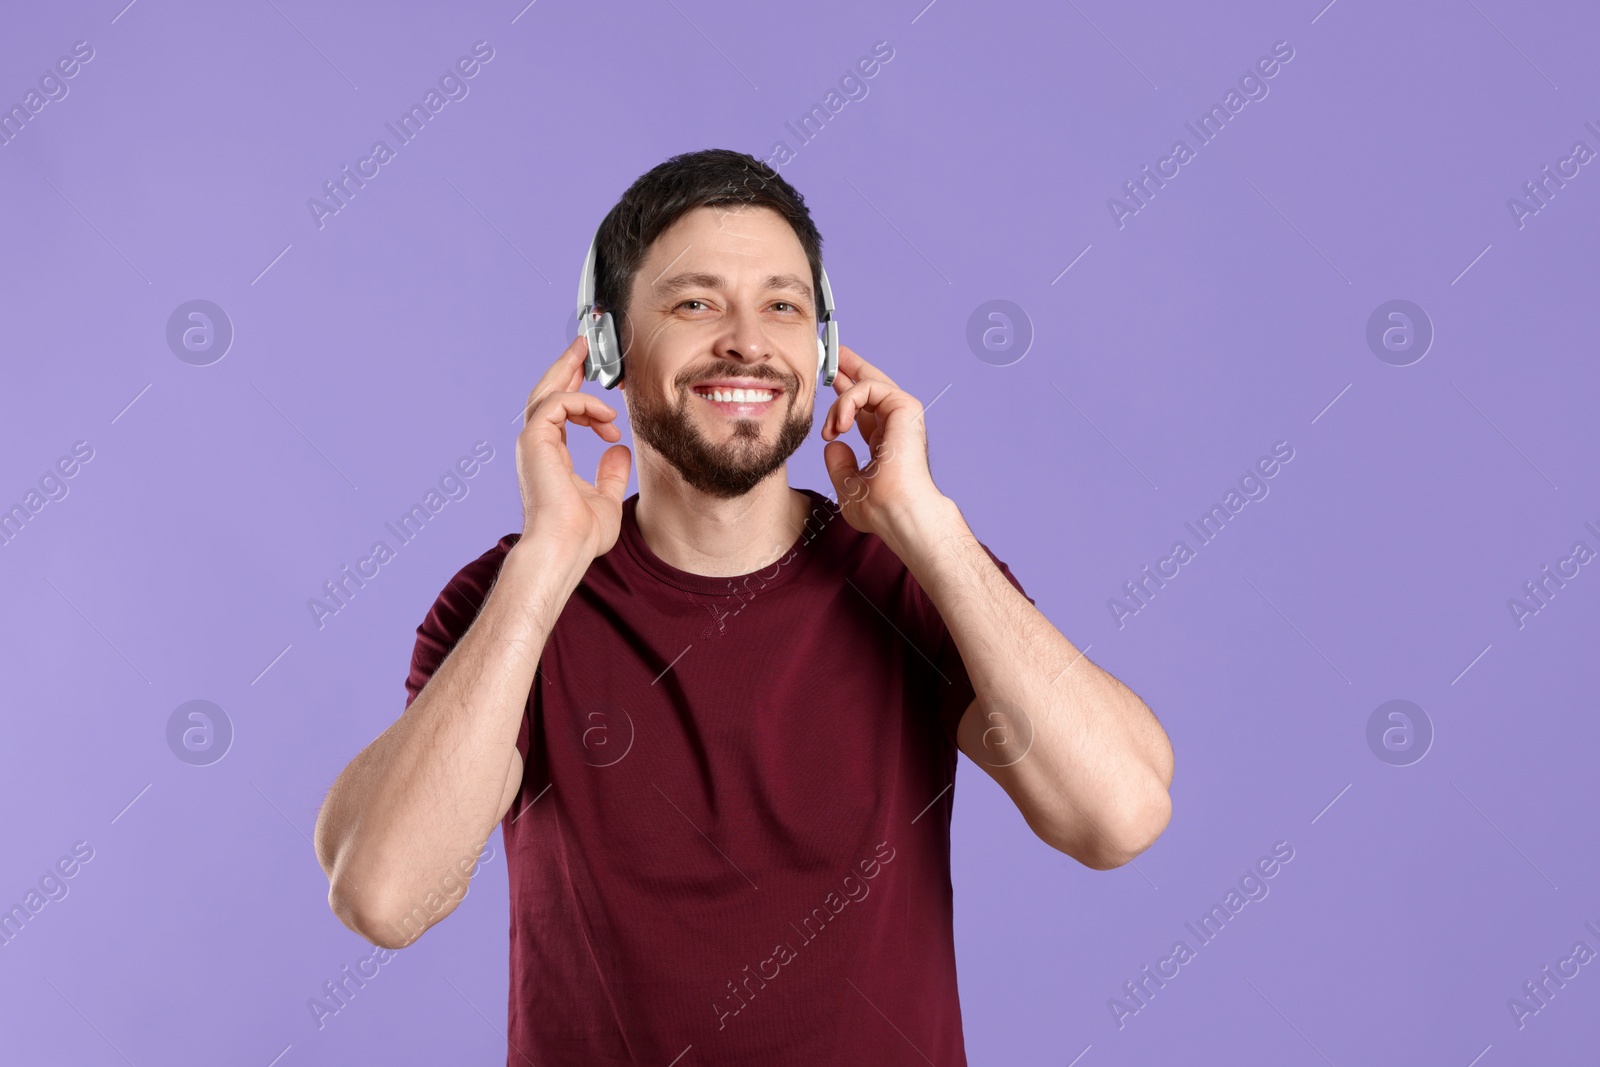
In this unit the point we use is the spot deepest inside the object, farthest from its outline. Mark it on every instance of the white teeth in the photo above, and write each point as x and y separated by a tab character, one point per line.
738	396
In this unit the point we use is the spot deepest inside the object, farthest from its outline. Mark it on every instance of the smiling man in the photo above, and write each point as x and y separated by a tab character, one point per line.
719	719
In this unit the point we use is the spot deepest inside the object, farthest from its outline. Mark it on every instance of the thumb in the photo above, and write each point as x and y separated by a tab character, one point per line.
611	476
840	459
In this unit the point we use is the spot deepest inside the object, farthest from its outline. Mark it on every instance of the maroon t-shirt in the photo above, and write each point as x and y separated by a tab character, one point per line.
732	840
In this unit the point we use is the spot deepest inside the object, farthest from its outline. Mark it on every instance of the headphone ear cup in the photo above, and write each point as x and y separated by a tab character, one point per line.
828	354
613	350
604	361
608	340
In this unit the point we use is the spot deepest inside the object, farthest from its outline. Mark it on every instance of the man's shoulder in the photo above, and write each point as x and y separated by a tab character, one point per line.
860	559
452	612
470	584
489	563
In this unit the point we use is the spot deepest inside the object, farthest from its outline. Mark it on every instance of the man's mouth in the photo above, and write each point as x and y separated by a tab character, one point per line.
743	401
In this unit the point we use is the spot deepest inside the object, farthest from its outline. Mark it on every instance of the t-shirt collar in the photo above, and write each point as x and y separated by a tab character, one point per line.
820	524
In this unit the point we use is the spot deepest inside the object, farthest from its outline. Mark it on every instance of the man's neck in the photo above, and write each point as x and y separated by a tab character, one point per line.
713	536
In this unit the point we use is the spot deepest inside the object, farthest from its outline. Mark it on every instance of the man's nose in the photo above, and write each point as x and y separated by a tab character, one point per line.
745	336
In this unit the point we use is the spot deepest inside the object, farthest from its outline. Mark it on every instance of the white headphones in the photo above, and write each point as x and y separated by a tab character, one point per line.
604	361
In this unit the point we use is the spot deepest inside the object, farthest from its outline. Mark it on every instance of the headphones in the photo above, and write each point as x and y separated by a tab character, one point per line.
604	360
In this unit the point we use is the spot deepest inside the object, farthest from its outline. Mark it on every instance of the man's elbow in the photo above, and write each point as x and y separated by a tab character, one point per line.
373	919
1147	822
1119	840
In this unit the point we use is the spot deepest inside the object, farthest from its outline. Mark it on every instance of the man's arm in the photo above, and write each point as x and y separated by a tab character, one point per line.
1085	761
418	803
427	793
1082	757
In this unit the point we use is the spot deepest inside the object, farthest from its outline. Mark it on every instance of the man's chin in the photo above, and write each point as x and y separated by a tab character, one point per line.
732	470
718	456
737	440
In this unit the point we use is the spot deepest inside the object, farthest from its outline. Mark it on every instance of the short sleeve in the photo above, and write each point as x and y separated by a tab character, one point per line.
448	620
951	680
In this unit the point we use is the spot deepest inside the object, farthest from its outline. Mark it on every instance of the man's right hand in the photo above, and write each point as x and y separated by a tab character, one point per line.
556	503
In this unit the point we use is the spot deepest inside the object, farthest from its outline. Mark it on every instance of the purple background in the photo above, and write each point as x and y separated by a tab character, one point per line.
1227	315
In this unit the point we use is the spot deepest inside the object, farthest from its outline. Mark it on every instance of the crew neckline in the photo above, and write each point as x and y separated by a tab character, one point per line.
633	542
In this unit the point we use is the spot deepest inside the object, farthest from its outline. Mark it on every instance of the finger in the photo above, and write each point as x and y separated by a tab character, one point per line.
557	409
565	383
565	374
864	396
840	460
852	363
611	475
867	422
831	425
606	428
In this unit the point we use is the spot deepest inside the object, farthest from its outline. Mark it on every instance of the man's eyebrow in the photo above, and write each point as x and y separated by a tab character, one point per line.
792	282
701	280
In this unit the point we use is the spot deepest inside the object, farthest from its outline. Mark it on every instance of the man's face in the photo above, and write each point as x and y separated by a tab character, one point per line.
720	345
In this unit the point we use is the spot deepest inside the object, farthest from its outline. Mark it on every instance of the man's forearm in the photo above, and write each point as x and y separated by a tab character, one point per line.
428	790
1097	764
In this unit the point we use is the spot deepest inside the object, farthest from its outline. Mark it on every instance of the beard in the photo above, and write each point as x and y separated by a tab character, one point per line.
725	470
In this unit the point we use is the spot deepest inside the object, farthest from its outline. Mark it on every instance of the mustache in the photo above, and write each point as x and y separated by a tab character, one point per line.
738	370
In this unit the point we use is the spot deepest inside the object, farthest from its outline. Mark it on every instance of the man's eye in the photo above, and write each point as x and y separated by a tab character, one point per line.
688	302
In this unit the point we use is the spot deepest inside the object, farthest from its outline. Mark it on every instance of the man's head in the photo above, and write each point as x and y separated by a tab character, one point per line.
710	266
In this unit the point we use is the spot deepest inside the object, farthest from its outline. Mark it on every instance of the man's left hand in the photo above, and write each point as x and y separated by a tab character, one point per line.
896	485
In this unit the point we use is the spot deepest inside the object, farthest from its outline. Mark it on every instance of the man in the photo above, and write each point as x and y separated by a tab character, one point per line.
719	719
